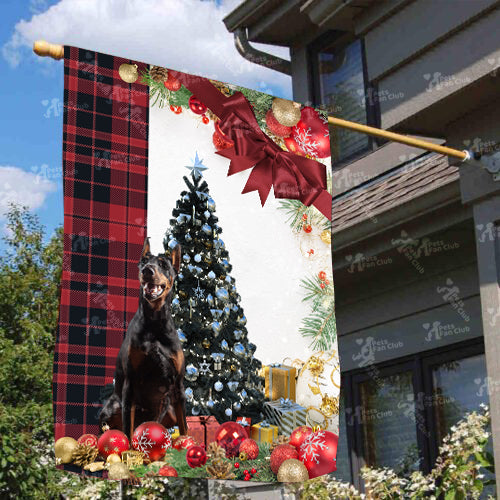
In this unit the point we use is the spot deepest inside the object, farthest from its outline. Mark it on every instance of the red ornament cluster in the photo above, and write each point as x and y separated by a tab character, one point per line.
112	441
229	436
172	83
183	442
152	439
168	471
196	456
250	447
310	135
280	454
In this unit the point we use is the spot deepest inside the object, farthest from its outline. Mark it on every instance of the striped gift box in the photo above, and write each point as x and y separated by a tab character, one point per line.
286	414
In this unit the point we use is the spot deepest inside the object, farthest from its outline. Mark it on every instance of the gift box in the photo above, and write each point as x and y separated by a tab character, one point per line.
264	432
280	381
246	423
203	429
286	414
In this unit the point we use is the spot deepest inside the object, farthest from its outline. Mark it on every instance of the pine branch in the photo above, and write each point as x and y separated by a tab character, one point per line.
161	96
295	210
320	327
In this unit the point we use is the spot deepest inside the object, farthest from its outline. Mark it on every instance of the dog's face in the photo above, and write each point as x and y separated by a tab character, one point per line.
157	274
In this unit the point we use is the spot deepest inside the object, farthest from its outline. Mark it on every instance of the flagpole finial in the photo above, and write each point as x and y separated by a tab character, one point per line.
46	49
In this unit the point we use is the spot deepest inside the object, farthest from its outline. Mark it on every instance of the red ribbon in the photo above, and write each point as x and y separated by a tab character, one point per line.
291	176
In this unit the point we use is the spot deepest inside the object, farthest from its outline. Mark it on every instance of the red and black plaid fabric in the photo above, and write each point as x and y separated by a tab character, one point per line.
105	189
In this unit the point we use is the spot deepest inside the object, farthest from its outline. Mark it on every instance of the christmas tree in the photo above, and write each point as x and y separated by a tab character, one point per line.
221	371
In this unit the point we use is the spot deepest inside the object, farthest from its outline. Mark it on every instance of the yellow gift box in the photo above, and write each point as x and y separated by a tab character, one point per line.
264	432
280	381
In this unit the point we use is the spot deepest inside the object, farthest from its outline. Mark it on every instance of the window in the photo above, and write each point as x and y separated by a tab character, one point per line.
397	413
339	85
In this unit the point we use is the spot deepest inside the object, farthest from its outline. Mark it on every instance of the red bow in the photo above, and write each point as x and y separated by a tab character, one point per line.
291	176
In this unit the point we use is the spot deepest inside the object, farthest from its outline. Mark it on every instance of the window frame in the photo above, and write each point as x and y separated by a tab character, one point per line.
420	364
338	39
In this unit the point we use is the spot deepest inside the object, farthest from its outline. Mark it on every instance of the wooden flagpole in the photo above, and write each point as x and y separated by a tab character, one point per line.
45	49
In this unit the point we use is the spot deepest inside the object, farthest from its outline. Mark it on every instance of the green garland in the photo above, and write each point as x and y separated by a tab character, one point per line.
161	96
295	210
320	325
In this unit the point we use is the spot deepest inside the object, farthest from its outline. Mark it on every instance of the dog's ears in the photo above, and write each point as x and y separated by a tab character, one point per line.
175	256
146	249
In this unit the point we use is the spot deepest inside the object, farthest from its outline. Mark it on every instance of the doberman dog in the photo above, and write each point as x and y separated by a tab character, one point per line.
149	376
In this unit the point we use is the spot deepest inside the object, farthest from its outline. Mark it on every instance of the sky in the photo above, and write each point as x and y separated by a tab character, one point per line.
186	35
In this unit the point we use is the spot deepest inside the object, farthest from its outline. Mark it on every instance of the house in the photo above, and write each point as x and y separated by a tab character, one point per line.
416	247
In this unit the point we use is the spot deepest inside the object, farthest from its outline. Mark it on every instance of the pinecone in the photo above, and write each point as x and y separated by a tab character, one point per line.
216	452
158	74
278	441
220	469
133	480
84	455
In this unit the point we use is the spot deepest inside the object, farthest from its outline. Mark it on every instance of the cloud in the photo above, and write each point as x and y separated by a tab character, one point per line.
186	35
24	188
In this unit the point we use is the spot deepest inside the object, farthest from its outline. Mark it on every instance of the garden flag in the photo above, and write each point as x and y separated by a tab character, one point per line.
196	326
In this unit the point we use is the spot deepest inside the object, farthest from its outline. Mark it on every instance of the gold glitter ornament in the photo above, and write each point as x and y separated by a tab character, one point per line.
113	459
118	471
326	237
128	72
315	365
292	471
286	112
64	449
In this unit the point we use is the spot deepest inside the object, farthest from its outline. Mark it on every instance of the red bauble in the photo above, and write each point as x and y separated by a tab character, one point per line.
250	447
281	453
176	109
292	146
183	442
298	435
230	436
89	440
196	106
112	441
196	456
275	126
152	439
311	134
168	471
205	119
171	83
319	453
322	275
307	228
220	140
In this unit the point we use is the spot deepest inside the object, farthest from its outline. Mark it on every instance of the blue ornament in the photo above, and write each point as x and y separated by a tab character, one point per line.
239	349
228	279
180	276
225	263
211	275
238	334
233	385
206	214
237	406
210	404
210	299
206	229
218	386
224	345
197	258
188	238
191	373
242	320
226	311
216	313
211	204
189	393
186	258
172	244
222	294
252	348
243	393
195	410
216	326
185	197
228	412
181	335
